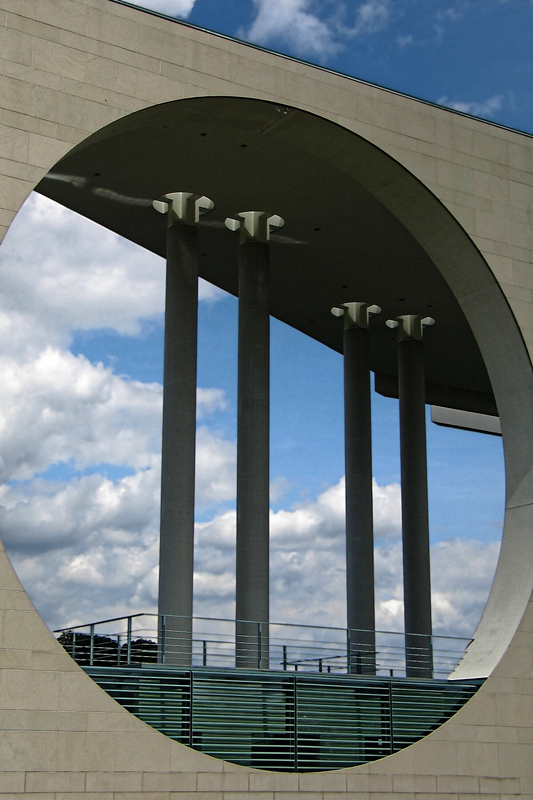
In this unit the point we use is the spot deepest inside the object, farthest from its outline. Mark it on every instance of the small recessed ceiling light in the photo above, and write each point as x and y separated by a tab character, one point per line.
97	174
316	229
203	134
244	145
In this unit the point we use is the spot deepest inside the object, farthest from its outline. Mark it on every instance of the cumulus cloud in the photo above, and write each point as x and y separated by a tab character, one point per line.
308	567
215	468
305	28
292	23
459	588
485	108
88	549
86	544
62	272
172	8
58	407
370	17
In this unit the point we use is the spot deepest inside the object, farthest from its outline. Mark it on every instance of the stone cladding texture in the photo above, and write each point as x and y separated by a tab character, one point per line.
69	67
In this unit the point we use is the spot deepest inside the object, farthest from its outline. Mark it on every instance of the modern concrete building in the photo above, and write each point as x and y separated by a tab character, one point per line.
386	200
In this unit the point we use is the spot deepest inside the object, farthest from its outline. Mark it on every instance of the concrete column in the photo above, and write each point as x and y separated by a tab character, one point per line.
176	554
415	517
359	507
253	440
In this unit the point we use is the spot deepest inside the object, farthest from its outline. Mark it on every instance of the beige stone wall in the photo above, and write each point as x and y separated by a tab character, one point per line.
69	67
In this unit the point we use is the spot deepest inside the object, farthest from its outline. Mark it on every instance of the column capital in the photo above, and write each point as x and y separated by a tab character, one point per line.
183	208
254	226
356	315
410	326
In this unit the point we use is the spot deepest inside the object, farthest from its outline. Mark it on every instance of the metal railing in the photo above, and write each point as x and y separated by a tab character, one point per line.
205	642
284	721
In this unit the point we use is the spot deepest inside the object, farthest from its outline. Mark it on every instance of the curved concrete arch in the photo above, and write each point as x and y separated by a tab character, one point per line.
74	66
304	147
504	351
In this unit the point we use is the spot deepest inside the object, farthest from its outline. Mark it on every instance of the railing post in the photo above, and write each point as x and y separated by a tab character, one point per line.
259	645
348	651
163	637
391	728
91	647
191	695
295	724
204	653
118	649
285	657
74	645
129	642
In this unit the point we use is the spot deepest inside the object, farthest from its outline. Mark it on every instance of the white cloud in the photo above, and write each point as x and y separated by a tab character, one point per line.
172	8
485	108
278	488
301	25
62	273
291	22
215	469
210	400
387	511
462	572
86	547
58	407
370	17
405	40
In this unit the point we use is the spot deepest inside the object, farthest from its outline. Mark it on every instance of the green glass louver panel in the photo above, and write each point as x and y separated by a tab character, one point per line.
279	721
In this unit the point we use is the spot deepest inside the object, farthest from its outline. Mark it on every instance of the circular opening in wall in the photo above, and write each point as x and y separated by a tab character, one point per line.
409	262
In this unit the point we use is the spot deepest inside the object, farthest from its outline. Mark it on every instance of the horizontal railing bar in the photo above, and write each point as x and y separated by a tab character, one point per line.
103	622
136	640
258	622
253	718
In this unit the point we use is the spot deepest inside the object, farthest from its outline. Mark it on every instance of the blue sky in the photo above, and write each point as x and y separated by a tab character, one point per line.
83	314
471	54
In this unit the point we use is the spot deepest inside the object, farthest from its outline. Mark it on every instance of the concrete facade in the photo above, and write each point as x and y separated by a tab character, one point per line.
70	67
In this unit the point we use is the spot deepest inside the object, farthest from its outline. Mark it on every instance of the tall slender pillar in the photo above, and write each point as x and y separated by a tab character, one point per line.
253	439
358	469
176	559
415	516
